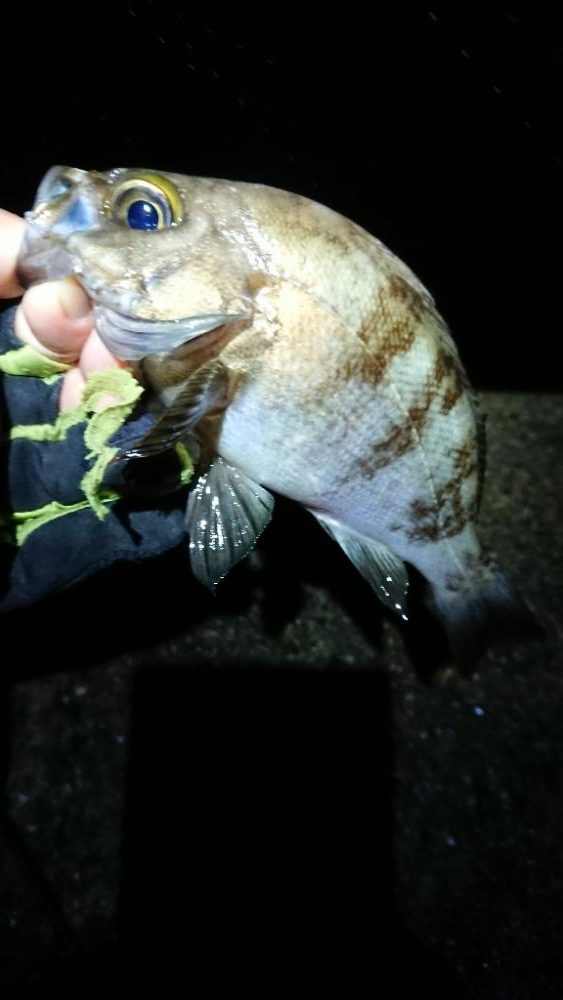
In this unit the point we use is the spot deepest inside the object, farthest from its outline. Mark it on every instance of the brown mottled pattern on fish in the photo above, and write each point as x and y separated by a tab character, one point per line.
343	387
449	514
391	328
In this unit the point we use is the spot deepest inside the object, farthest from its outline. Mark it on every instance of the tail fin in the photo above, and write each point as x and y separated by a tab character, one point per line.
478	617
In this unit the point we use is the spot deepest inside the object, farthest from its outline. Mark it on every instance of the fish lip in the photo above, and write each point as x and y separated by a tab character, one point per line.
40	259
132	338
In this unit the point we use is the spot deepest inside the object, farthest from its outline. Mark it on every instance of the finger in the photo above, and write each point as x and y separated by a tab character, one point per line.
56	318
11	232
71	389
94	357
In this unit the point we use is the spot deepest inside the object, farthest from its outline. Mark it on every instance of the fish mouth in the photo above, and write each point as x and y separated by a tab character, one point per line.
132	339
41	259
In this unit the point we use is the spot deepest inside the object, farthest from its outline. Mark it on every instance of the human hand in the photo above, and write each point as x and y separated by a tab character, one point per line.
50	506
54	317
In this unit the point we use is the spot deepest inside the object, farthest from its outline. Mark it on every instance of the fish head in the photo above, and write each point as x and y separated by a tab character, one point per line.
159	254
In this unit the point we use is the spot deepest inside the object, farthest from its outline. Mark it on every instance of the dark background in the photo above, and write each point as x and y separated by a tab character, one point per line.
247	759
435	126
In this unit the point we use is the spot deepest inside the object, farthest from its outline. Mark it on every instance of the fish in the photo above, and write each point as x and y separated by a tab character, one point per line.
301	357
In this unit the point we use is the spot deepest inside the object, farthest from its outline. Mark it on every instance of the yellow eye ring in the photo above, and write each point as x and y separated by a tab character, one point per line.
146	201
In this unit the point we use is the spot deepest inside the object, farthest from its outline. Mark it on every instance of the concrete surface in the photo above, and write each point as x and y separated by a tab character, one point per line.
284	786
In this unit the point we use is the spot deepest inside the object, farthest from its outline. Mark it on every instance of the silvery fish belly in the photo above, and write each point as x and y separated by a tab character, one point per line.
303	357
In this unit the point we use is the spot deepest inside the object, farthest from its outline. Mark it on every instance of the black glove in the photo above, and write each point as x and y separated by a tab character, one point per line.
55	490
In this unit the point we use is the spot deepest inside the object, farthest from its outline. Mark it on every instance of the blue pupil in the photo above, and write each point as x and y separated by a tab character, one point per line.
142	215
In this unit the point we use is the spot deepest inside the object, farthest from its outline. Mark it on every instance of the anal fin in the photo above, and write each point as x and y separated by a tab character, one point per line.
382	569
225	514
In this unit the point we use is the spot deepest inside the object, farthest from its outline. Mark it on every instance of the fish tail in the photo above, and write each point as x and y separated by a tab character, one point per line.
486	611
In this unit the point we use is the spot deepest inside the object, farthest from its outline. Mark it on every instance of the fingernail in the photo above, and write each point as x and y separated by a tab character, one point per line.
73	300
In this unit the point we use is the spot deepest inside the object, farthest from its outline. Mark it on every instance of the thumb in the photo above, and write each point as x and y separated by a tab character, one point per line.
11	232
56	318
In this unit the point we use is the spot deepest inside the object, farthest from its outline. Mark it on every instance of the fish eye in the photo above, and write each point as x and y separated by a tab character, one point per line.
140	207
146	201
142	214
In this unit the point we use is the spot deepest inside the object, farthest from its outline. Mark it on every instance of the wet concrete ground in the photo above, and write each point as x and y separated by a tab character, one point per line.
283	785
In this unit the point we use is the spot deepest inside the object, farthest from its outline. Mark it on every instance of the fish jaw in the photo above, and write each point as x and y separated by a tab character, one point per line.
42	260
68	199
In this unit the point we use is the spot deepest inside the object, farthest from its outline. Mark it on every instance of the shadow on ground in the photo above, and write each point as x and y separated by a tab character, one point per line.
257	846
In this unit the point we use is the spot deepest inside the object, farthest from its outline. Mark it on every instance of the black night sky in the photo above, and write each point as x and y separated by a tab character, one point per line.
434	126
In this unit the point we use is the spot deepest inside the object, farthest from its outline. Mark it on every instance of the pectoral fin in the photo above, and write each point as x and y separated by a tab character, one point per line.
225	514
205	390
380	566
